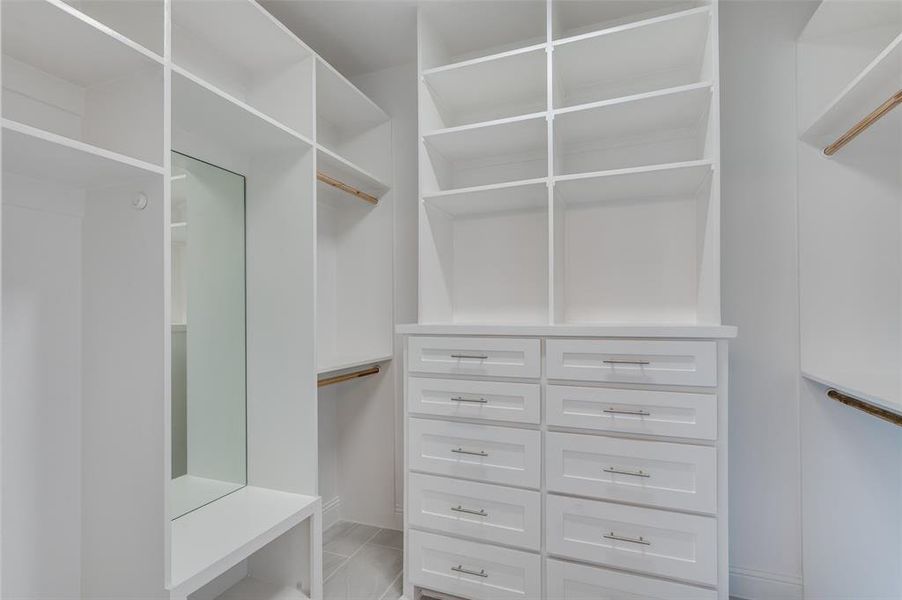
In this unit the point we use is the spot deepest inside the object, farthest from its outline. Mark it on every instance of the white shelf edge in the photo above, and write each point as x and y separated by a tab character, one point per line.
869	398
484	188
634	170
181	71
353	87
227	557
806	134
106	30
618	330
671	91
363	172
282	27
60	140
634	25
353	364
484	59
486	124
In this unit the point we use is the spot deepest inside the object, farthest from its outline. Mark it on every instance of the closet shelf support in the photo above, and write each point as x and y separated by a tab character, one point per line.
875	411
894	101
346	188
347	376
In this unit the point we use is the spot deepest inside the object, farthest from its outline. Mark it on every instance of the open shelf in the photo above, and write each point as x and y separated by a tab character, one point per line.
459	31
879	80
486	153
502	197
141	21
347	172
576	17
201	110
274	74
510	84
214	538
654	128
251	588
632	244
660	52
67	74
46	156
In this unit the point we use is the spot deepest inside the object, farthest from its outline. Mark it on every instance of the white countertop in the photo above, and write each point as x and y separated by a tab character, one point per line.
599	330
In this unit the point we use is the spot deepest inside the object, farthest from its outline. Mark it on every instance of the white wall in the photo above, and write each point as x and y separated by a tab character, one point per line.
361	447
815	487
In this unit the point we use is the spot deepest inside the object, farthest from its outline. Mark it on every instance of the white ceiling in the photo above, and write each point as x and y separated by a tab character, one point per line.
354	36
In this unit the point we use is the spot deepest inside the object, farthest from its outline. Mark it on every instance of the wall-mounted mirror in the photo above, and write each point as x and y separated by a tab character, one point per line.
209	408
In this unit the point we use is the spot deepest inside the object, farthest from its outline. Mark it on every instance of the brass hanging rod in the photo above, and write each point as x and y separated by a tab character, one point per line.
346	188
894	101
875	411
347	376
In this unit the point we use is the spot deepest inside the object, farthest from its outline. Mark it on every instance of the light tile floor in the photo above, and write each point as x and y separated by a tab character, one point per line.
361	562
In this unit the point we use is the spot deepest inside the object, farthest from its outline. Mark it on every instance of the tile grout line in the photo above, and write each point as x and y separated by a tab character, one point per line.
353	554
391	585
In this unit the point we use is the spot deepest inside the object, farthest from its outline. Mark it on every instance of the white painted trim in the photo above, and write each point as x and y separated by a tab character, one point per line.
750	584
331	512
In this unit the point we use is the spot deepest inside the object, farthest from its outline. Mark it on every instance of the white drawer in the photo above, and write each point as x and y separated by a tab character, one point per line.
676	476
493	454
493	400
664	543
633	361
487	512
677	414
472	570
497	357
569	581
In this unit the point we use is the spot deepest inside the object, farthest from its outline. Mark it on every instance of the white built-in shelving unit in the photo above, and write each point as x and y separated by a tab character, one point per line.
95	95
569	159
849	209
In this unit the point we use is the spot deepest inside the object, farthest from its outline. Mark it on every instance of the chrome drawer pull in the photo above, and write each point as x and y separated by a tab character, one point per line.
617	411
469	511
639	540
627	362
472	400
460	569
471	452
475	356
639	473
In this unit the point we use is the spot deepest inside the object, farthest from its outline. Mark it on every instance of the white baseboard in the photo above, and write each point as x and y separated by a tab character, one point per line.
749	584
331	512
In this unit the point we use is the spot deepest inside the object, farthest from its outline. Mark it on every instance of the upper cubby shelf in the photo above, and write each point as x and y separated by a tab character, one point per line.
274	74
209	114
495	152
531	194
576	17
141	21
452	32
348	123
642	56
647	129
511	83
45	156
674	180
67	74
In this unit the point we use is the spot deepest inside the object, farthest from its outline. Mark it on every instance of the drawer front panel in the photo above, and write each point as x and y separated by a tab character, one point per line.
641	539
488	512
472	570
569	581
666	362
492	400
496	357
677	414
493	454
677	476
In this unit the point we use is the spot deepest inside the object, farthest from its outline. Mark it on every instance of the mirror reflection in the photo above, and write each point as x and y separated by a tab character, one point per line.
209	437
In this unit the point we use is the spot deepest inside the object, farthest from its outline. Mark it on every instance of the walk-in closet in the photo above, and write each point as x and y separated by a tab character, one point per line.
450	299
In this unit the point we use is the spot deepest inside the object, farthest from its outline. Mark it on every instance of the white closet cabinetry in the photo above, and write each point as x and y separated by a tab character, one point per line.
849	204
569	352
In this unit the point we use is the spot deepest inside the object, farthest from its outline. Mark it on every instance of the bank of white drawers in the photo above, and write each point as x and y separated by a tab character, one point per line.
618	470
